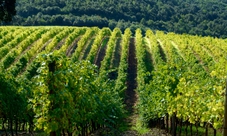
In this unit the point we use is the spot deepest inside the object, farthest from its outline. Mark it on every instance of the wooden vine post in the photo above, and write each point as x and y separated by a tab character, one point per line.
225	116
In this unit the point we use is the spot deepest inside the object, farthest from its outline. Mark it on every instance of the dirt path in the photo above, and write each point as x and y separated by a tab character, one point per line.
72	47
130	101
130	94
101	53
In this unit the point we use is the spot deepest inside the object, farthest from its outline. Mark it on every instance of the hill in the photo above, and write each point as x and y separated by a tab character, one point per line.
154	77
197	17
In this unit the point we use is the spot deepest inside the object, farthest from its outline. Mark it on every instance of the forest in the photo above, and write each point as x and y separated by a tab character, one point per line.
196	17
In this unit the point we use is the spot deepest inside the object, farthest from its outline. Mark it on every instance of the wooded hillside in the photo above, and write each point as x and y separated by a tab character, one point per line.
201	17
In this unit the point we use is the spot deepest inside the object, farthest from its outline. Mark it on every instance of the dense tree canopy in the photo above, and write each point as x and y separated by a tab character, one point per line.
7	10
201	17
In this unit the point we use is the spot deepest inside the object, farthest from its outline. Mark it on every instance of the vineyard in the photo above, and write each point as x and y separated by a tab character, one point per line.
77	80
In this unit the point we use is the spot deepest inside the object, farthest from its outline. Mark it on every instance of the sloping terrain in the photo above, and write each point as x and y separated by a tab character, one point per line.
157	76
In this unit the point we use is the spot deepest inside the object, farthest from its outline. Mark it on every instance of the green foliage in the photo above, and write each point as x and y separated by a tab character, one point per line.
7	10
180	16
82	43
187	78
140	55
106	62
187	83
97	43
123	66
68	94
13	103
7	47
15	52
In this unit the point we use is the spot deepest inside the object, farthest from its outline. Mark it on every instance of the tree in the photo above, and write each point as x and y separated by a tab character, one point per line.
7	10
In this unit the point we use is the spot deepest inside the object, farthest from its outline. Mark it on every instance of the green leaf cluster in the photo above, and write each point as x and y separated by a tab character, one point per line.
68	96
